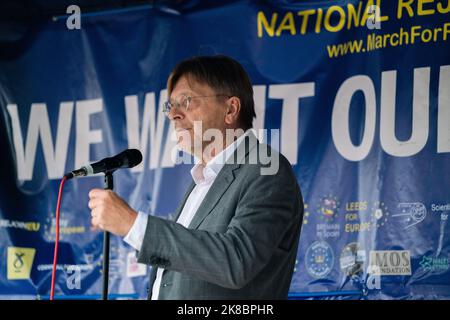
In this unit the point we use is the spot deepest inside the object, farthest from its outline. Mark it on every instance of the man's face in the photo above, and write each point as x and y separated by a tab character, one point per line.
204	106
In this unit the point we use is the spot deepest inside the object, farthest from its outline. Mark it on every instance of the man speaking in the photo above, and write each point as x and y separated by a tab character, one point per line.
236	231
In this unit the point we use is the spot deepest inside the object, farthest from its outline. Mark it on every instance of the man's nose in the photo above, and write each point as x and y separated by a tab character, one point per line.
175	114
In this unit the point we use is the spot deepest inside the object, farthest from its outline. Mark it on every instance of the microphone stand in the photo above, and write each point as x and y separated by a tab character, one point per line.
109	185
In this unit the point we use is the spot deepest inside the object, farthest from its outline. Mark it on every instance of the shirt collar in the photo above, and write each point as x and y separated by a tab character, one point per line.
207	173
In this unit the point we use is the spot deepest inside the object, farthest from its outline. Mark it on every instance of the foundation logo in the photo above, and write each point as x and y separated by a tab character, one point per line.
390	263
352	259
319	259
20	262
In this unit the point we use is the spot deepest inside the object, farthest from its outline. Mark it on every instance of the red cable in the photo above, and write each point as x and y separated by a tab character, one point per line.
55	257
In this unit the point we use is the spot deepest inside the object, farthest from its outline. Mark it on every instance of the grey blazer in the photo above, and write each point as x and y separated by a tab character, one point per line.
242	242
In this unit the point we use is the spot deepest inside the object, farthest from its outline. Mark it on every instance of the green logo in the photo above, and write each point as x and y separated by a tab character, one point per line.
434	264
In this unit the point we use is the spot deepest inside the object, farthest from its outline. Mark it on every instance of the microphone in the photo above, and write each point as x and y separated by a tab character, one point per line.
126	159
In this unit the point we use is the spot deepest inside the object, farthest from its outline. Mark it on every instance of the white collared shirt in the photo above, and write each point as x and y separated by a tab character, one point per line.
203	176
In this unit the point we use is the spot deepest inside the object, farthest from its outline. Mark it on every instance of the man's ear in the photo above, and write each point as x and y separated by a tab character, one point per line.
233	110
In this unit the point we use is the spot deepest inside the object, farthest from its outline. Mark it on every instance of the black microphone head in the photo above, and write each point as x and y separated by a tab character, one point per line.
130	158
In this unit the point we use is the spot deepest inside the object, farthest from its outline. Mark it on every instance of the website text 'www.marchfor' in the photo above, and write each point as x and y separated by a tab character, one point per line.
373	41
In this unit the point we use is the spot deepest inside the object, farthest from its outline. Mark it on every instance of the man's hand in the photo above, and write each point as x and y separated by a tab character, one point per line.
110	212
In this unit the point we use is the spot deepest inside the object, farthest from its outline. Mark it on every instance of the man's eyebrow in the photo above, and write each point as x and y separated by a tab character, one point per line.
185	92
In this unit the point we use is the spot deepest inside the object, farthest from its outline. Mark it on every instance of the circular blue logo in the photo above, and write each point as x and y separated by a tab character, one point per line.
319	259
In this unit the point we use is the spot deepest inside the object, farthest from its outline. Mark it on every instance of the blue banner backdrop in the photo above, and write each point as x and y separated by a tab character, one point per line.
363	111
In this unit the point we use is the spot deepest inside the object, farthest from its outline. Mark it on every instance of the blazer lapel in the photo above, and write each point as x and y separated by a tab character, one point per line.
218	188
223	180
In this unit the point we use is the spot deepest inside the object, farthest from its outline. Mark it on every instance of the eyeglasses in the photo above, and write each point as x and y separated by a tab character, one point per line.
184	101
